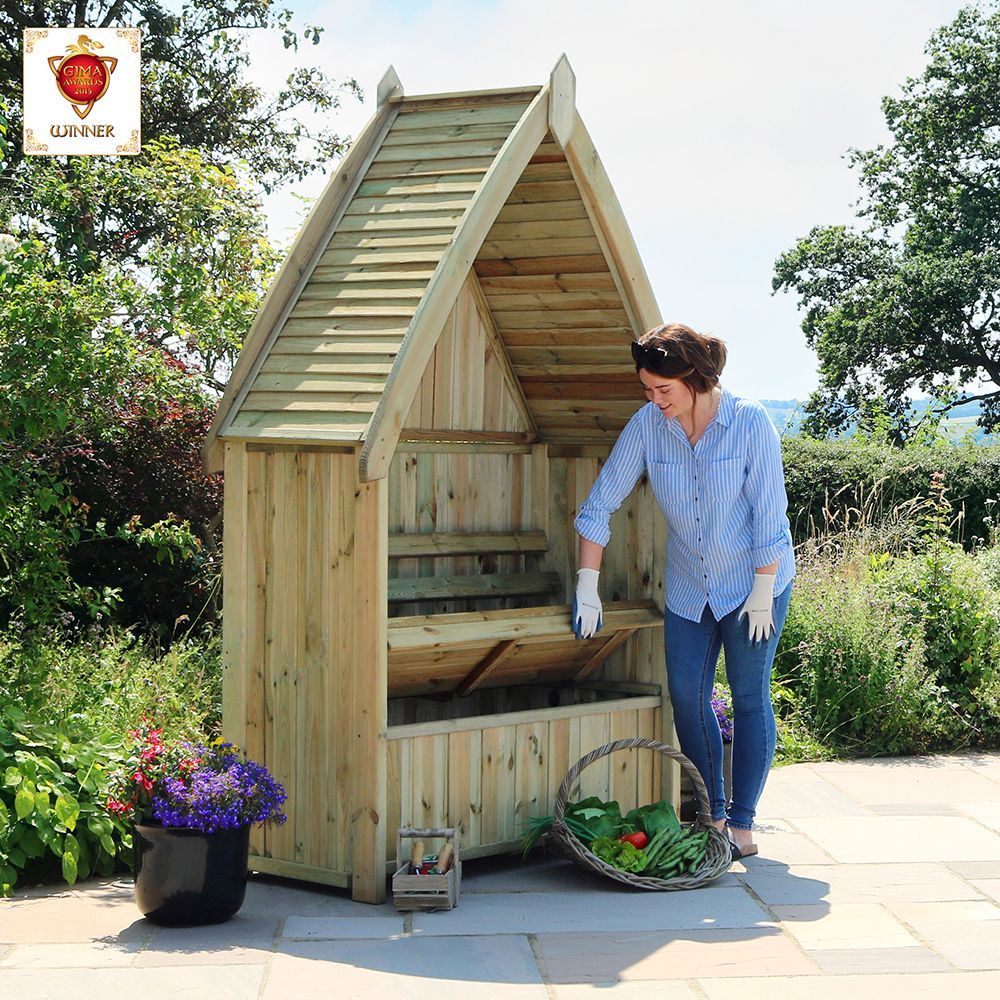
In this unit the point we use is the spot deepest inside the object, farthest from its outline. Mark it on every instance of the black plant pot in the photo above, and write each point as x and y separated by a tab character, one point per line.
185	877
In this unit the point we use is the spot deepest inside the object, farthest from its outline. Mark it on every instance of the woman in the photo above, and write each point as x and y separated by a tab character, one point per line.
714	464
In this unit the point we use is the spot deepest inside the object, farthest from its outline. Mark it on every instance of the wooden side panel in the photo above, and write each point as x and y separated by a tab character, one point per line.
313	609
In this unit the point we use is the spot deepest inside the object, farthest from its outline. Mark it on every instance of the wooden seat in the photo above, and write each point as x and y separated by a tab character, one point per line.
459	653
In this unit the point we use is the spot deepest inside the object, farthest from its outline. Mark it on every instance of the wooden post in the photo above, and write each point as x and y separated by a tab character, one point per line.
388	86
562	101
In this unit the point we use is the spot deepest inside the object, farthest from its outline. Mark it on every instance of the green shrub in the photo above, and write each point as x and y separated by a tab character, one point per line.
892	641
112	677
53	787
843	485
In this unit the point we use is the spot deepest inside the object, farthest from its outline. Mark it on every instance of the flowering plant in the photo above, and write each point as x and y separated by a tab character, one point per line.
724	713
203	787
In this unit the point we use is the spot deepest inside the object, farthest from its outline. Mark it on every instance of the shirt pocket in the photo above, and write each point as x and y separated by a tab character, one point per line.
726	476
670	482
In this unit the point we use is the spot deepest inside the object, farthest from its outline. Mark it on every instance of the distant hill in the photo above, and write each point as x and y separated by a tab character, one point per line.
788	414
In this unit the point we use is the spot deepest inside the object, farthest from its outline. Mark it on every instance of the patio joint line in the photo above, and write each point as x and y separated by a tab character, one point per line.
912	931
696	988
780	924
543	970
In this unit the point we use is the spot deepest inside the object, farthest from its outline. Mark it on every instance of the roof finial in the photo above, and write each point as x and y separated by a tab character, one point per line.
562	101
388	86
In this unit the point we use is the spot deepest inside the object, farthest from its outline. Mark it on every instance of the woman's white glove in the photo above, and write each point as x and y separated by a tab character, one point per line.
587	607
759	606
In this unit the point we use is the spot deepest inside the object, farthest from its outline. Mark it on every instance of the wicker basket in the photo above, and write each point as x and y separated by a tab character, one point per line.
718	855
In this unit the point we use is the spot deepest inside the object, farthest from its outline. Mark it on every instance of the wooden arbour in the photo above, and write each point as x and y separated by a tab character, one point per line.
423	401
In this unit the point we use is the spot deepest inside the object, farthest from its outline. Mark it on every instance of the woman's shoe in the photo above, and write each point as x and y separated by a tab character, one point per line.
742	852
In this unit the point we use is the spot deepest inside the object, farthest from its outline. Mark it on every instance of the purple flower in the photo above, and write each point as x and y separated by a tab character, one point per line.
724	713
224	792
208	788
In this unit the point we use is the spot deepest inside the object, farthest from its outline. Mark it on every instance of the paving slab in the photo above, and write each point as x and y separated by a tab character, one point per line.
845	961
241	941
658	990
857	883
441	969
860	839
71	918
967	933
914	785
229	982
807	798
846	925
975	869
609	911
909	986
94	955
336	928
658	955
988	887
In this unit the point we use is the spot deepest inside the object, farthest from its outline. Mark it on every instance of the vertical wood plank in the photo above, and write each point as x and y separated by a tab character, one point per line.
499	792
258	530
531	773
315	690
369	693
393	796
283	630
624	764
235	581
647	761
595	731
342	647
465	786
429	780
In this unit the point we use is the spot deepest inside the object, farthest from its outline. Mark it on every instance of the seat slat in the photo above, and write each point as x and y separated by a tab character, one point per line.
428	588
459	543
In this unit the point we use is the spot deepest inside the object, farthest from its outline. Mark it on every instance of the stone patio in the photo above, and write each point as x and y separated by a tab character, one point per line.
875	879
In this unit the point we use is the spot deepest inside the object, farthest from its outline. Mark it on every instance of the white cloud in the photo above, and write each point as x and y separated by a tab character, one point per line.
723	126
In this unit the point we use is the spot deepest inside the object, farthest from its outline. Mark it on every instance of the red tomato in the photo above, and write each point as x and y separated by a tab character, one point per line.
638	839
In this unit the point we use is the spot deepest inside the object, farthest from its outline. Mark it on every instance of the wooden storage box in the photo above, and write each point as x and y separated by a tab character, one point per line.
426	892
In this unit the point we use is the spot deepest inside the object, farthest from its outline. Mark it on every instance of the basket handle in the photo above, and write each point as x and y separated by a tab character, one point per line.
704	805
442	833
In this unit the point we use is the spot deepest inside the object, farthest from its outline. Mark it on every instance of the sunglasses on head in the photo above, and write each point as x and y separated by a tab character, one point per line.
660	360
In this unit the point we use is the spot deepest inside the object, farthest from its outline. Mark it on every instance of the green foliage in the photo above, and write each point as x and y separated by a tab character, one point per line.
110	678
869	488
910	301
53	787
892	651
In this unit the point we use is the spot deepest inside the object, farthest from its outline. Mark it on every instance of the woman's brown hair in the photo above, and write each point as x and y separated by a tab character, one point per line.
676	351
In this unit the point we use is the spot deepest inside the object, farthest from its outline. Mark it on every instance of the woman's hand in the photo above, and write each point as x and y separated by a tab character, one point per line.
759	606
586	604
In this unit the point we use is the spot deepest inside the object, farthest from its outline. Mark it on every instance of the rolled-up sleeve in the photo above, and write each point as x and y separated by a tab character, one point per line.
765	486
614	483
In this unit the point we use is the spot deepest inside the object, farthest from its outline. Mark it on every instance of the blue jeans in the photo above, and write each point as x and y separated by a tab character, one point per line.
692	650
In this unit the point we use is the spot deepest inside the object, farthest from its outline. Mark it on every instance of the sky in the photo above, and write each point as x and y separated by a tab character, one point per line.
722	126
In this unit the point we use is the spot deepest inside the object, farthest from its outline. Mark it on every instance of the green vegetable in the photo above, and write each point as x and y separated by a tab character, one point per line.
651	818
619	854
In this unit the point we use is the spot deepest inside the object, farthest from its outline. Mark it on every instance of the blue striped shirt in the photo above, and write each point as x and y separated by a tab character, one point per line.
724	500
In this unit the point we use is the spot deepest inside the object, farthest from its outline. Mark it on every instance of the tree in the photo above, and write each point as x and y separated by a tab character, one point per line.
127	286
910	299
